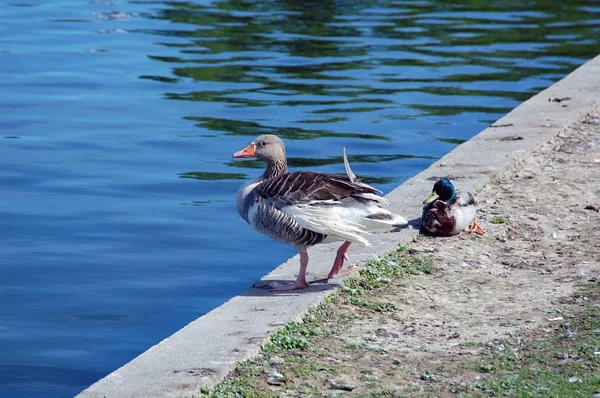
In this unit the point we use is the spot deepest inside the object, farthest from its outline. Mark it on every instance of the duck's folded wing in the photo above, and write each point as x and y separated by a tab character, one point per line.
437	219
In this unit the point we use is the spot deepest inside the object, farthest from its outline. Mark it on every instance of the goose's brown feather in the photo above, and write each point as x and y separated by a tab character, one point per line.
304	186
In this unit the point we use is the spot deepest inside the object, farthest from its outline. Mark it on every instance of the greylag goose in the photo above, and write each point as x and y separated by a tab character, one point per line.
305	208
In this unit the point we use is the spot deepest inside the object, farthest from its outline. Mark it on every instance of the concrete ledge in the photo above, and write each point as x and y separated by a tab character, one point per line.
204	351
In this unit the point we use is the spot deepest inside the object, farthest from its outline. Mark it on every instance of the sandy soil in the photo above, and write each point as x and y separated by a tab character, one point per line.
516	281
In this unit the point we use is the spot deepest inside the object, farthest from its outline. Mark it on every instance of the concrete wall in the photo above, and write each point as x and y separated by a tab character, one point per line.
204	351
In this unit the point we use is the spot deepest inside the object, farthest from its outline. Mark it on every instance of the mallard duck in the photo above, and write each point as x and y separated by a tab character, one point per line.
304	208
447	212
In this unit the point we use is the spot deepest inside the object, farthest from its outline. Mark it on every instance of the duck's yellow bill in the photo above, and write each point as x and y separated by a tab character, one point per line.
431	198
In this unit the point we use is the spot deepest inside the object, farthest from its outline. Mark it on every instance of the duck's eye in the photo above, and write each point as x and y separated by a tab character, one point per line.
262	144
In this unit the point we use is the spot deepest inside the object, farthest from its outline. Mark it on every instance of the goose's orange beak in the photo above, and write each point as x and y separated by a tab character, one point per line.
247	152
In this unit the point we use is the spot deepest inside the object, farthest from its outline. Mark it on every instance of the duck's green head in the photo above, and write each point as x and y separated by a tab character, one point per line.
442	190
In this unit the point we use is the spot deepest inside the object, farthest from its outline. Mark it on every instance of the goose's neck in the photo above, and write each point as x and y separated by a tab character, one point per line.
275	168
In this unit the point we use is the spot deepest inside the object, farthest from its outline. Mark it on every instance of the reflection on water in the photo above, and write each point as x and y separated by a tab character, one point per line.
203	175
120	118
246	128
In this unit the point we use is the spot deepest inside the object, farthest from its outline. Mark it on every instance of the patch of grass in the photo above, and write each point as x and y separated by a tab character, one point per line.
499	220
235	387
373	348
292	336
366	347
249	368
383	270
332	370
424	265
472	344
370	380
378	306
239	384
487	368
536	383
301	368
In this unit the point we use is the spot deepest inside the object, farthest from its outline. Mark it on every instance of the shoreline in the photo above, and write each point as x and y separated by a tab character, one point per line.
515	312
195	357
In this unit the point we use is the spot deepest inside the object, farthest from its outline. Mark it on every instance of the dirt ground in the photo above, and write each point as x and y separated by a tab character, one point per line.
516	283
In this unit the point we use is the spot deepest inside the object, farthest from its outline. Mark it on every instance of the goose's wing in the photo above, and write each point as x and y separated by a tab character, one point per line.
314	201
307	186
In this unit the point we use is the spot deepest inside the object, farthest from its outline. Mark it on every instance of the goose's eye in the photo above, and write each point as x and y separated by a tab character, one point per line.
262	144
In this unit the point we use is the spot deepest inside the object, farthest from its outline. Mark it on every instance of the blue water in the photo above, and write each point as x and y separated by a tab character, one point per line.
118	120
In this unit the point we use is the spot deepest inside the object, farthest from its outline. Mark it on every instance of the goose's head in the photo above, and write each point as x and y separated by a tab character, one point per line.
269	148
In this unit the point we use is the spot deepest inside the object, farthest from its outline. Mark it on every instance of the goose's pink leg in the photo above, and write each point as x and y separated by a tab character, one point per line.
338	263
301	280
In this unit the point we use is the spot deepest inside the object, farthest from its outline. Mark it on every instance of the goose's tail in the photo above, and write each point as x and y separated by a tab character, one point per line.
378	217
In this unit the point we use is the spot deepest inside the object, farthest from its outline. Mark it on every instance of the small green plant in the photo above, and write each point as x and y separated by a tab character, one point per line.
291	336
486	368
424	265
499	220
249	368
472	344
379	306
235	387
301	367
370	380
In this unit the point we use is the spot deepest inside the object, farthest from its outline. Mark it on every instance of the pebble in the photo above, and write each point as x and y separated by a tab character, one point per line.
594	121
275	378
277	360
343	383
275	373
